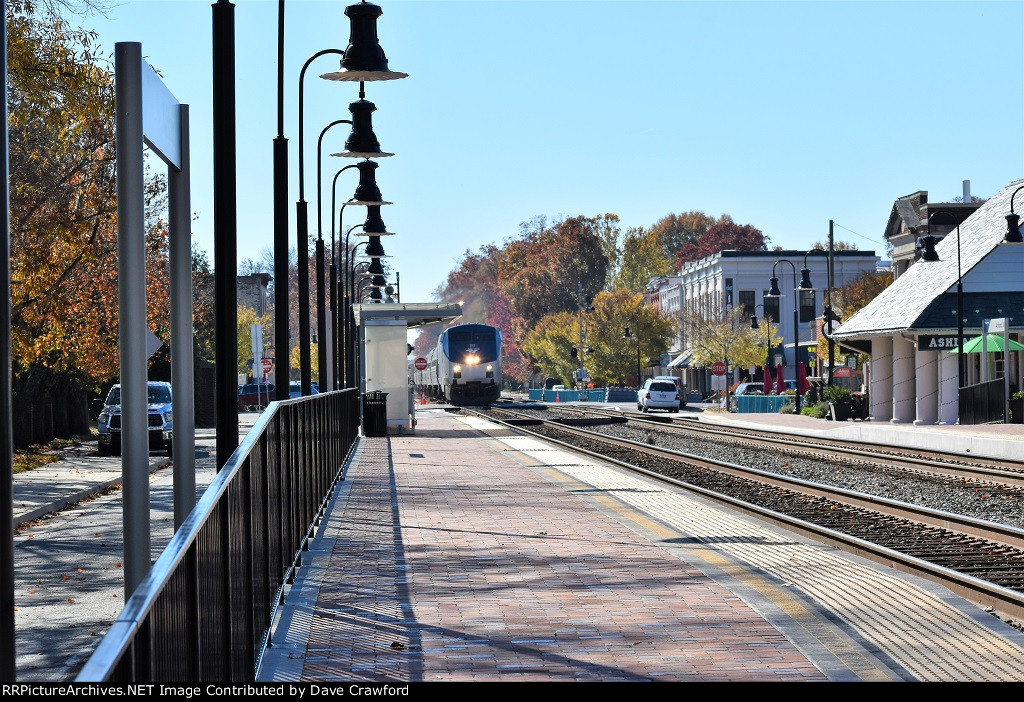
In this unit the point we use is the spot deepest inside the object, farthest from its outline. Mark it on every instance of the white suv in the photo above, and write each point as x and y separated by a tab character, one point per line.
658	394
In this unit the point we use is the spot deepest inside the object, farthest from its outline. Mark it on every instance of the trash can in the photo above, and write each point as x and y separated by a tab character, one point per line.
375	413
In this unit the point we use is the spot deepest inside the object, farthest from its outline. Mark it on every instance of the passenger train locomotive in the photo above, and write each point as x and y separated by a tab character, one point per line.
465	366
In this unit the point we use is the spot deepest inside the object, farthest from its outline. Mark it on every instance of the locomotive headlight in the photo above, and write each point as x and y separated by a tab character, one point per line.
457	370
490	371
472	360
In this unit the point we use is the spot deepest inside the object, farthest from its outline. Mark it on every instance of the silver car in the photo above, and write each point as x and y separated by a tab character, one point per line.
160	426
658	394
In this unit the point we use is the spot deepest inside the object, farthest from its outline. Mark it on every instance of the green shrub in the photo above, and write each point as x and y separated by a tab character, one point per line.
836	393
787	408
818	410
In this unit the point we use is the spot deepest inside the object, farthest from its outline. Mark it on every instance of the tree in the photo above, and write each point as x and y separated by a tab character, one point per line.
643	258
675	231
723	235
63	233
728	339
853	297
613	358
553	270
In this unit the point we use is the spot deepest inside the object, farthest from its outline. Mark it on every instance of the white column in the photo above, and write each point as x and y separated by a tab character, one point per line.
949	388
927	401
880	391
903	385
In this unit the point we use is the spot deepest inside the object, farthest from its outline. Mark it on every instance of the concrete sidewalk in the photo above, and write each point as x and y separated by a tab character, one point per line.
82	473
993	440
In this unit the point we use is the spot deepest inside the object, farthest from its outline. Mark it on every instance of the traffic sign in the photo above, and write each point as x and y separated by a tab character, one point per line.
718	368
268	365
421	363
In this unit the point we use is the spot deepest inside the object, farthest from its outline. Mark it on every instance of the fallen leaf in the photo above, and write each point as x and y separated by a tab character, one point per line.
70	600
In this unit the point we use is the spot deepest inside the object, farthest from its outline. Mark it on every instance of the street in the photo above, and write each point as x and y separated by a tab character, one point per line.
69	583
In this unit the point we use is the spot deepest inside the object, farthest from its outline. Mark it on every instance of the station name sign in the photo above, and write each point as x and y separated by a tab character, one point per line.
927	342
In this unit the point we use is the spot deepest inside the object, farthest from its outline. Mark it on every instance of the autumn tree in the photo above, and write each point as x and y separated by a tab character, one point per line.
728	339
552	270
612	358
675	231
725	234
643	258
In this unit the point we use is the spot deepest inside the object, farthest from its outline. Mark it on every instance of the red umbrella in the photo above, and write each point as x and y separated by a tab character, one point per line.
780	381
802	385
767	380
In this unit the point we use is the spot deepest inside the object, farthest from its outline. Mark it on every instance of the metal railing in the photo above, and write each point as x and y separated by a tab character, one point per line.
205	609
983	403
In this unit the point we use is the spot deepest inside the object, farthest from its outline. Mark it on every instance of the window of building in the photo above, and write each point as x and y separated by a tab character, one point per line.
747	302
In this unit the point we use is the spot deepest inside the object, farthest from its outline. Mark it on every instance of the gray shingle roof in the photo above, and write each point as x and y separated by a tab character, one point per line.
898	307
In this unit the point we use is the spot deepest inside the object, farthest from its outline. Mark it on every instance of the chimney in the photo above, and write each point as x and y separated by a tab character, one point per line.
967	191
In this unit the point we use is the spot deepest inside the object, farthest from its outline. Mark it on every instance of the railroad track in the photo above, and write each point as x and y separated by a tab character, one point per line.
922	461
982	561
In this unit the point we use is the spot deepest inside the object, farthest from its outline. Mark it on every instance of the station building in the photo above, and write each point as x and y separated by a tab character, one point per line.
909	327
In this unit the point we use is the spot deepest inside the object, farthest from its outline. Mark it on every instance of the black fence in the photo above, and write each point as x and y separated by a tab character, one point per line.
205	610
983	403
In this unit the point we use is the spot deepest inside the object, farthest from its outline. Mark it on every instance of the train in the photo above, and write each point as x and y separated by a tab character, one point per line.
464	368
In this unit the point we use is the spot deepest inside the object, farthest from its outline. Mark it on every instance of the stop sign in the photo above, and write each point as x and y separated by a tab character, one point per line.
421	363
718	368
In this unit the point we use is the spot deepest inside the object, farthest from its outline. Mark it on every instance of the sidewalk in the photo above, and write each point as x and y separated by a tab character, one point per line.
82	474
993	440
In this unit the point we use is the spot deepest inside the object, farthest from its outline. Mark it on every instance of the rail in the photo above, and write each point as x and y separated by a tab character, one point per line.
205	609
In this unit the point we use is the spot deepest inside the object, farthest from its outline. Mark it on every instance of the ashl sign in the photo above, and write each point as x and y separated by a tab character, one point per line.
927	342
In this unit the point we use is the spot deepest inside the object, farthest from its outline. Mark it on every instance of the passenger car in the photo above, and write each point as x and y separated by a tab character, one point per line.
679	386
255	395
658	394
295	389
160	425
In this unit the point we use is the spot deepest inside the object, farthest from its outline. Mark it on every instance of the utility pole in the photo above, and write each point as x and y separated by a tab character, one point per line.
829	314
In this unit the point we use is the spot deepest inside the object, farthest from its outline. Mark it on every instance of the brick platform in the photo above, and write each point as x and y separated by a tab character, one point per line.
451	561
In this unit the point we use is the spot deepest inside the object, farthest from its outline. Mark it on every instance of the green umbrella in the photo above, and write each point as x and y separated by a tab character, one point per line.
994	344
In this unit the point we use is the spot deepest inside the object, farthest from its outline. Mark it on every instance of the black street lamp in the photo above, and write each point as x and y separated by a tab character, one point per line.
1013	235
929	255
768	338
805	292
627	335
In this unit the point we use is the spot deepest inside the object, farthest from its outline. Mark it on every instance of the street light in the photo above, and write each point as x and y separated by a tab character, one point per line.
931	255
768	338
1013	235
627	335
805	292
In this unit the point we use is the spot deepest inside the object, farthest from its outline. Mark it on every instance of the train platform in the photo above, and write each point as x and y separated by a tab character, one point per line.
467	552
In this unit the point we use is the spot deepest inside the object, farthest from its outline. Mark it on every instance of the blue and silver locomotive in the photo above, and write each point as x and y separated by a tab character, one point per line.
465	366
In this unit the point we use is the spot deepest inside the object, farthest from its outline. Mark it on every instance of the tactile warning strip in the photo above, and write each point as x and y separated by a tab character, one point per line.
924	633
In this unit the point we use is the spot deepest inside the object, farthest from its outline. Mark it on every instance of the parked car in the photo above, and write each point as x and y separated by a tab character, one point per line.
680	388
752	389
160	425
295	389
255	395
658	394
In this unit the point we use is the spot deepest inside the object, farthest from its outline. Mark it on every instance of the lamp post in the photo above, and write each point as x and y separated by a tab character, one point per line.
627	335
930	254
768	338
804	286
1013	235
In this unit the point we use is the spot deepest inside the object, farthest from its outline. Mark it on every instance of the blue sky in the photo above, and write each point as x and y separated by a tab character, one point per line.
782	114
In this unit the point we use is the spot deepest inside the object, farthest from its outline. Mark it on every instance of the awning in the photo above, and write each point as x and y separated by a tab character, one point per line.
682	360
